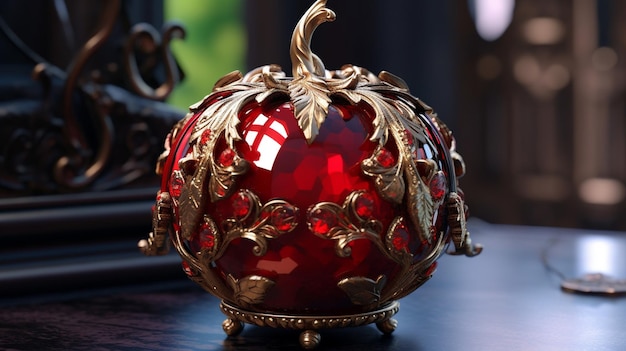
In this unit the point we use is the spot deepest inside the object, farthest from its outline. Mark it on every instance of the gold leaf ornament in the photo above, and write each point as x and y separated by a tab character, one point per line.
311	101
363	291
308	89
250	290
192	197
389	182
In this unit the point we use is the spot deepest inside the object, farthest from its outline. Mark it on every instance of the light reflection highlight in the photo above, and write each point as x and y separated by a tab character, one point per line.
266	135
598	254
492	17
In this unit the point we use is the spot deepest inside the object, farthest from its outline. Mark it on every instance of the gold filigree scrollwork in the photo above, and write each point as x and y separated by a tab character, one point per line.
457	159
198	266
343	224
157	243
253	221
412	274
250	290
258	222
401	256
192	194
210	238
406	129
458	228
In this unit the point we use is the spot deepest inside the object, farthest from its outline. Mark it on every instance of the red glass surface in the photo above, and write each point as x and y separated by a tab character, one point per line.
305	263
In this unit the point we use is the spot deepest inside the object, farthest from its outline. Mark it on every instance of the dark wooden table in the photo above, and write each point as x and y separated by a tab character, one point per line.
504	299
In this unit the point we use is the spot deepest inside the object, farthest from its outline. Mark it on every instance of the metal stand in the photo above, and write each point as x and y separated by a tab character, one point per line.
310	337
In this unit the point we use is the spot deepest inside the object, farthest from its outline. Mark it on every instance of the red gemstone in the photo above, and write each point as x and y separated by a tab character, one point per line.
284	218
438	186
364	205
176	184
400	238
322	221
205	136
221	192
227	157
385	158
187	269
242	203
206	237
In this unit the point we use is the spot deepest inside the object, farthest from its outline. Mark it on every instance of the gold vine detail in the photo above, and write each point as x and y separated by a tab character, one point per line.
260	223
251	290
348	226
345	224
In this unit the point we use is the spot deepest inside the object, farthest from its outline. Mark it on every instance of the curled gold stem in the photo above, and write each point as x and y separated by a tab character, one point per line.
303	60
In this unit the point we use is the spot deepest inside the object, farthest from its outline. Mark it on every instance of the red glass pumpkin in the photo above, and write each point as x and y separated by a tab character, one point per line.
324	197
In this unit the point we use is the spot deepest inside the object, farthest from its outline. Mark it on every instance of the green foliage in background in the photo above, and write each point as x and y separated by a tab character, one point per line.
214	45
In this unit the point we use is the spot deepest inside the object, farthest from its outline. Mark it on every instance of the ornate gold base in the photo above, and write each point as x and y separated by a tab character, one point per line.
309	338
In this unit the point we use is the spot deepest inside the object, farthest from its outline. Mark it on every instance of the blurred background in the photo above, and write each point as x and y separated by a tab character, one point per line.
533	90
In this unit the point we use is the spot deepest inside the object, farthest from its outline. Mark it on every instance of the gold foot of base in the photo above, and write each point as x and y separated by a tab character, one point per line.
232	327
309	339
387	326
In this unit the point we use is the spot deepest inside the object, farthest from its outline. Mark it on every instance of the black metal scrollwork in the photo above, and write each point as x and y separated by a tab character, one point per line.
90	129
